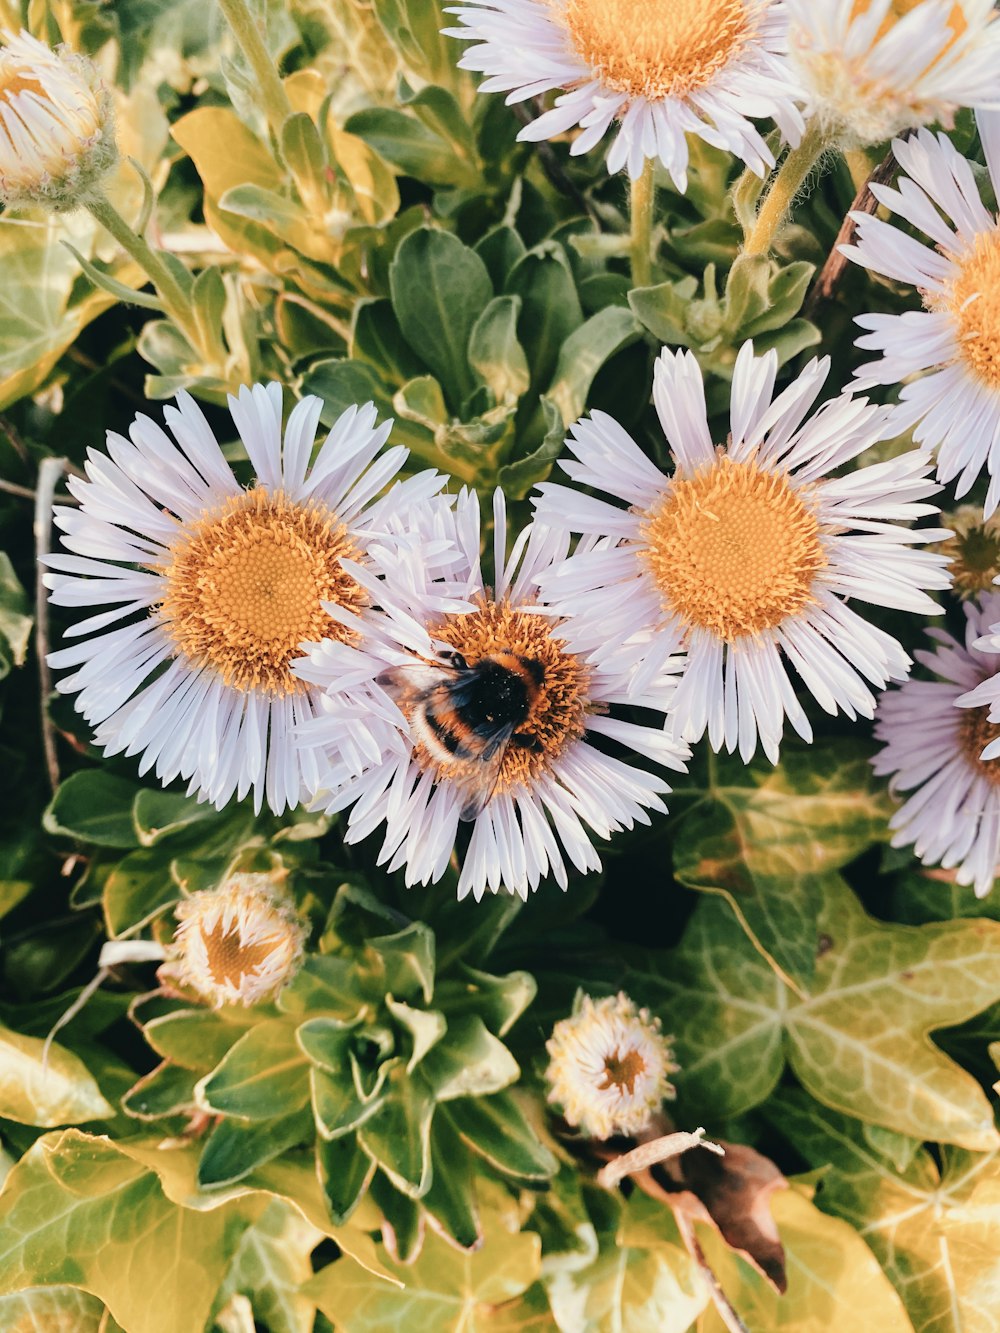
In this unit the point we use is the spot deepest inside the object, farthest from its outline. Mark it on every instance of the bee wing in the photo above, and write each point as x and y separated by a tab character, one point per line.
477	780
414	679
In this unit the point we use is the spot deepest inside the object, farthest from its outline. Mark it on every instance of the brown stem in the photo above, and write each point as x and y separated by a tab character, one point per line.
864	202
15	441
49	474
650	1153
12	488
720	1300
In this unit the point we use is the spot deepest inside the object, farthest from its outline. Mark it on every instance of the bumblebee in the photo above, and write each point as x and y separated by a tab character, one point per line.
467	717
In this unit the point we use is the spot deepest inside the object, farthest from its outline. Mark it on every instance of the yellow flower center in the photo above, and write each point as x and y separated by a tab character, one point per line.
230	960
734	550
656	48
976	731
974	302
973	549
621	1071
245	586
556	716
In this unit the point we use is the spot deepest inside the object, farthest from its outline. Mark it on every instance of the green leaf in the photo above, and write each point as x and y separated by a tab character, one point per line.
450	1201
413	148
550	307
469	1062
397	1135
158	814
165	1090
583	354
339	1106
497	1129
119	291
59	1091
194	1038
934	1228
425	1028
270	1265
445	1290
763	835
93	806
138	889
408	959
377	339
132	1248
857	1043
15	621
495	353
500	249
834	1280
663	309
233	1150
263	1075
439	289
345	1172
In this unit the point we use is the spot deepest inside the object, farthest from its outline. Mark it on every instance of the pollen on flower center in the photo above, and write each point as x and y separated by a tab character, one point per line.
974	302
656	48
557	715
734	550
246	584
621	1071
976	731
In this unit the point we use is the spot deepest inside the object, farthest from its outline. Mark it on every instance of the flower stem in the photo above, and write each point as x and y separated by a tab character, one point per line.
251	42
175	300
643	195
784	187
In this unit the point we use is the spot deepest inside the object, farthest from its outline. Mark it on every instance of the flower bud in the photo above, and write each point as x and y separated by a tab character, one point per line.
57	136
973	548
609	1066
237	944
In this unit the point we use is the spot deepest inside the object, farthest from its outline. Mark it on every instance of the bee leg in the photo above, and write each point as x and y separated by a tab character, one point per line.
525	742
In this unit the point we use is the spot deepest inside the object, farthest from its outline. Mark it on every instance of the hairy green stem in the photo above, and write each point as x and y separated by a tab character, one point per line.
247	32
643	196
785	186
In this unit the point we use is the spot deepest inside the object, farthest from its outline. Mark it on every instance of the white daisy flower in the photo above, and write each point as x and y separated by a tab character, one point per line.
872	68
609	1066
746	556
940	746
661	69
57	134
955	406
237	944
212	587
478	706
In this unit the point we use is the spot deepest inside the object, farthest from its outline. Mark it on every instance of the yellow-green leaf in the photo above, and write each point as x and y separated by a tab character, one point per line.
60	1091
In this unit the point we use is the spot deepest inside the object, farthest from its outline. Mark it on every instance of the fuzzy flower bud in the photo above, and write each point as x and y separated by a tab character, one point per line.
609	1066
973	548
238	944
57	137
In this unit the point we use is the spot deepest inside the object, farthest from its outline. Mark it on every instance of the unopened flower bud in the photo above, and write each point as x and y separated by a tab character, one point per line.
609	1066
57	138
238	944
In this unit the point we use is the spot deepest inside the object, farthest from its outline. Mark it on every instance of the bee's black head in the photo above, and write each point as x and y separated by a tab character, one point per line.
496	696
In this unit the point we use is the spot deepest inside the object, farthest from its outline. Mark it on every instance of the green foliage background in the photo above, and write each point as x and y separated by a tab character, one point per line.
180	1169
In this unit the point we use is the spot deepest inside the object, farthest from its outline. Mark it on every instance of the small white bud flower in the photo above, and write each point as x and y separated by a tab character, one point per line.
57	137
609	1066
238	944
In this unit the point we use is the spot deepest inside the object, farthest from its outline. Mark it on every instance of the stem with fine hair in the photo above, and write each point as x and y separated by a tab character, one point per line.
251	42
175	300
643	195
787	183
49	473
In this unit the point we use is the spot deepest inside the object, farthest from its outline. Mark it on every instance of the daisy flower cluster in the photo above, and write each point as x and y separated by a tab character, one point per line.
326	632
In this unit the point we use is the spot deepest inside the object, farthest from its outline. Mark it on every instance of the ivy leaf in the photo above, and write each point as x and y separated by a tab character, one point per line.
761	835
445	1289
60	1091
94	806
132	1247
859	1043
935	1229
51	1310
271	1264
642	1278
834	1280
